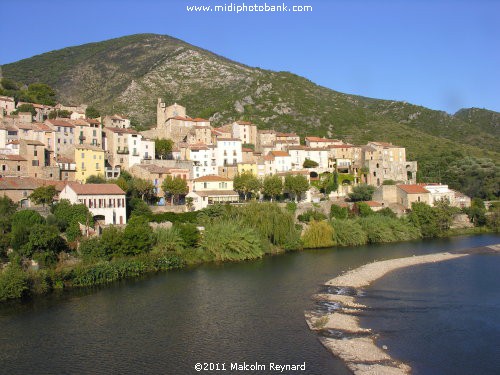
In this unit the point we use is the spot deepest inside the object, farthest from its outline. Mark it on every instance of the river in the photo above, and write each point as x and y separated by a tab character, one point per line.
166	323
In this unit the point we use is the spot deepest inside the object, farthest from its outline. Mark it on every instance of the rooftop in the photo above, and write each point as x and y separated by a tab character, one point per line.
96	189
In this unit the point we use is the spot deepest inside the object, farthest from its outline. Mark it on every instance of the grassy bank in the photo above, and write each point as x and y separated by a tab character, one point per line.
229	234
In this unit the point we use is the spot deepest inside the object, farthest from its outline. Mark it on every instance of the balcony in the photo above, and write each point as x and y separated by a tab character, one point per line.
124	151
147	157
135	154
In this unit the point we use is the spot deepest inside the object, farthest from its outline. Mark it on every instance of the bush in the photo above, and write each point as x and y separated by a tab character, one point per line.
184	217
311	215
381	229
137	236
387	212
348	233
189	234
92	248
168	240
13	283
292	207
338	212
273	223
363	209
231	241
318	234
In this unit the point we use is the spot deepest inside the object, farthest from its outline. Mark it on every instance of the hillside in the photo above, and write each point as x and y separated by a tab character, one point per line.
128	74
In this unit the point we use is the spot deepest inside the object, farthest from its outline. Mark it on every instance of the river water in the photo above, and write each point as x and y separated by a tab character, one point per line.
166	323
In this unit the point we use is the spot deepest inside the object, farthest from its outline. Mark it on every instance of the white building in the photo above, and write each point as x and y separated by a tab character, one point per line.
106	202
212	190
204	160
299	154
282	162
317	142
228	152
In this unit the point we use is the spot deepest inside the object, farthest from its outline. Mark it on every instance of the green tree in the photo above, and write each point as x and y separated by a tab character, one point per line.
163	148
423	216
93	179
308	163
44	244
189	203
92	112
362	192
174	186
69	216
14	283
59	113
246	183
144	188
26	108
7	209
9	84
43	195
137	236
139	208
296	184
41	93
272	186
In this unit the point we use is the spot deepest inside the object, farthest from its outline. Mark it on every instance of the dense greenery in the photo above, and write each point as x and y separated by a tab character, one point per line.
163	148
247	184
174	186
311	214
362	192
33	93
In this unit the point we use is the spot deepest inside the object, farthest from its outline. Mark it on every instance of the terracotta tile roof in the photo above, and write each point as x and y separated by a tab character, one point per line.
13	142
27	183
243	122
154	168
12	157
40	126
211	178
6	99
59	122
92	121
279	134
279	153
268	157
198	146
122	130
80	122
96	189
373	203
413	189
202	127
64	159
244	149
33	142
181	118
198	119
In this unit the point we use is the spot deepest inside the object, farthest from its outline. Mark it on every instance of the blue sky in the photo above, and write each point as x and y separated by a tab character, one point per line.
441	54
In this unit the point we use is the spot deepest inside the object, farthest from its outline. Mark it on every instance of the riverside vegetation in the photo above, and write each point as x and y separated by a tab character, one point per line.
216	234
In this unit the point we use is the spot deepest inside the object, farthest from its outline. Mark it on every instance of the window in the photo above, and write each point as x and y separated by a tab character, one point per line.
97	166
83	155
4	167
35	153
83	165
19	168
205	185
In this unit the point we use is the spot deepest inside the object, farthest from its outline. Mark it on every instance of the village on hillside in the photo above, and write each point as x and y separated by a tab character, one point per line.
36	151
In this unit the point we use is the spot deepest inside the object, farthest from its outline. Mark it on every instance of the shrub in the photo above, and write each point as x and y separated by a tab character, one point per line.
348	233
363	209
13	283
168	240
383	229
231	241
386	211
189	234
184	217
311	215
92	248
338	212
318	234
273	223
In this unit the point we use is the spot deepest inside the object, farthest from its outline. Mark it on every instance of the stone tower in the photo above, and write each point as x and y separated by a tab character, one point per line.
163	113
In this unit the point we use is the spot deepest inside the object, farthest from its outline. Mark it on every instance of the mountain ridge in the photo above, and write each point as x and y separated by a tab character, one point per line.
127	74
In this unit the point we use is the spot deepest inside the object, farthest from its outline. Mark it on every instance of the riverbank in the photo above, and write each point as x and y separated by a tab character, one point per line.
336	321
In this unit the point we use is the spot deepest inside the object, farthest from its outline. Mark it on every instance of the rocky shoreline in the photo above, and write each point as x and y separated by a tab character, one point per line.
335	318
